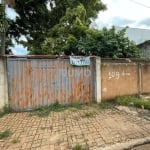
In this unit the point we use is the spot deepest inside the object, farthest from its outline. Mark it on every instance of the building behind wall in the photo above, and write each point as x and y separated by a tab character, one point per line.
141	37
145	49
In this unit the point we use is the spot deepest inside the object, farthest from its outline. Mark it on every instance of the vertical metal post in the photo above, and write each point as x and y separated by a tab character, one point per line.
2	38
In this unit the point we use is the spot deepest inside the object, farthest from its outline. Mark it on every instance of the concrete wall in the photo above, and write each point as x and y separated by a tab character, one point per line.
3	83
119	79
145	78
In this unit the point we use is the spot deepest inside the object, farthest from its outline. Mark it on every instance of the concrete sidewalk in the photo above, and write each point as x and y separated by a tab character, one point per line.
89	128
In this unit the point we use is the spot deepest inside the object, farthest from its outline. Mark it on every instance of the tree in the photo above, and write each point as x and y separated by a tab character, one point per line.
108	43
37	18
62	27
4	26
64	36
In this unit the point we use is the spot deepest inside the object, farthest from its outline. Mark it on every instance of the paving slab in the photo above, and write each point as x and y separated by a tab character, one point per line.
89	128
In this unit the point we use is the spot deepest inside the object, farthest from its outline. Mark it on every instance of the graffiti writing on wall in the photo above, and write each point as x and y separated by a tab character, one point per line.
116	74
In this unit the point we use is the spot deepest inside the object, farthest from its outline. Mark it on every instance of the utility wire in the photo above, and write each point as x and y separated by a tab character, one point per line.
141	4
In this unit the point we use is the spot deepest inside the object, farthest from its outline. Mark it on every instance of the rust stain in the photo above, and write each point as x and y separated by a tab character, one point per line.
34	82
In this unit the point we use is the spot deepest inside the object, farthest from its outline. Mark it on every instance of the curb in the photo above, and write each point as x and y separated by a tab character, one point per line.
127	145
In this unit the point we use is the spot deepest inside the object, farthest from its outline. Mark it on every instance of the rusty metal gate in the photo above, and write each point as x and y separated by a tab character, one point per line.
35	82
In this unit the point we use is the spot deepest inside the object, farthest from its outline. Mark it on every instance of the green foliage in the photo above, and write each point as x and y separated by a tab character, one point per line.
14	141
108	43
134	101
80	40
80	147
63	37
43	111
6	110
62	27
5	134
125	100
88	114
3	22
76	105
106	105
39	21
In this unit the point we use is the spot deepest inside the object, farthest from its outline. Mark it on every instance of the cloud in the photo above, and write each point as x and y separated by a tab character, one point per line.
119	21
114	21
145	22
124	13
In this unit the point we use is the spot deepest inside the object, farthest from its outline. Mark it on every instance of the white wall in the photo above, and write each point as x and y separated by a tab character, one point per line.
3	83
137	35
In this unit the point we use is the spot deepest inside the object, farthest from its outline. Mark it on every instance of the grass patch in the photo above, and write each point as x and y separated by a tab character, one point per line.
6	110
44	111
134	101
80	147
106	105
14	141
88	114
76	106
44	128
5	134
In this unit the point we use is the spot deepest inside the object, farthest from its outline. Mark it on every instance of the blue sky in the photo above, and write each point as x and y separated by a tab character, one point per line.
18	49
132	13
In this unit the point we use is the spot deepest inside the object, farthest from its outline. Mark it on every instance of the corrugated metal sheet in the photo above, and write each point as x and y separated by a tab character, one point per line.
34	82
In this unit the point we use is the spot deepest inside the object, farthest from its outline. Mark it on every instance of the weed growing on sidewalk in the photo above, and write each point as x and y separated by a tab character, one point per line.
80	147
5	134
106	105
6	110
14	141
134	101
76	106
88	114
44	111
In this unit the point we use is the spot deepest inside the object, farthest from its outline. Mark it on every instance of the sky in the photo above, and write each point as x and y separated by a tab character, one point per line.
121	13
18	49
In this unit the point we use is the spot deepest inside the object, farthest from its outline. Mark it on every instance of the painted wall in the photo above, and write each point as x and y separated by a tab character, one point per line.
119	79
3	83
145	78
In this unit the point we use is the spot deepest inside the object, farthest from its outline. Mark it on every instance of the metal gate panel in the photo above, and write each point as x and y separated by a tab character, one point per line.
40	82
